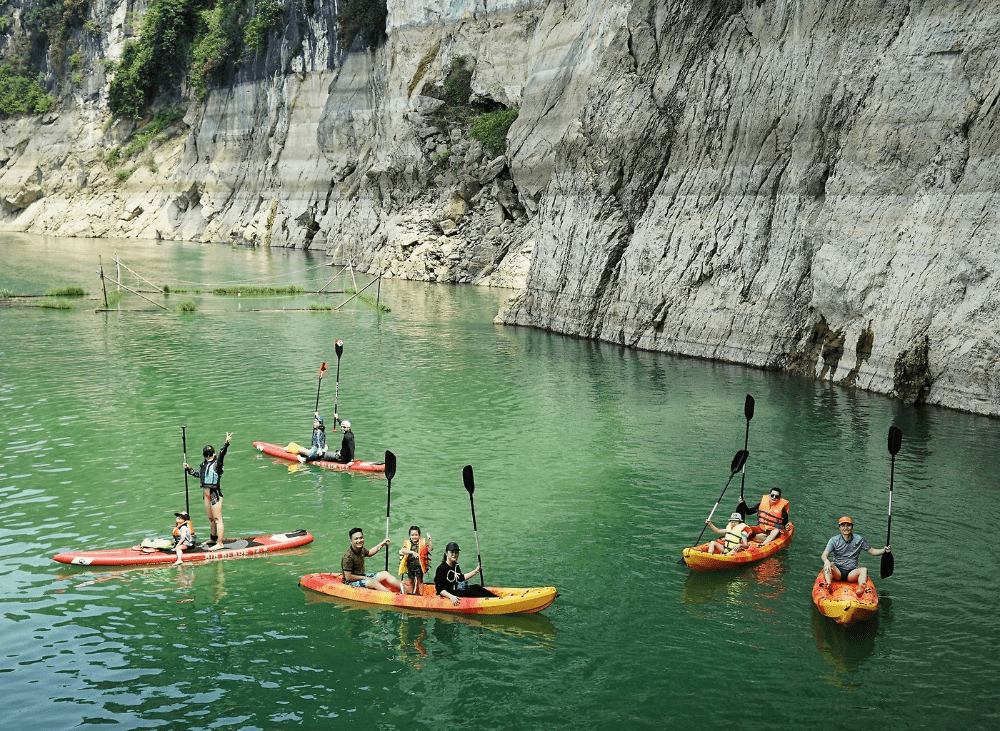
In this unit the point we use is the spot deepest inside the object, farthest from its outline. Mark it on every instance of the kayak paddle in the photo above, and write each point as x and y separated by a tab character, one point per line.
895	442
470	485
738	461
184	444
748	412
390	472
339	347
322	372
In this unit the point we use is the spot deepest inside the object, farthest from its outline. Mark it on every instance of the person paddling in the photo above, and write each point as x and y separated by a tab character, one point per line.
844	550
737	535
451	583
210	474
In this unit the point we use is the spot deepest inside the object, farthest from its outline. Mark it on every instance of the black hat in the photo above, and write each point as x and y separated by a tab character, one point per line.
208	451
451	547
183	514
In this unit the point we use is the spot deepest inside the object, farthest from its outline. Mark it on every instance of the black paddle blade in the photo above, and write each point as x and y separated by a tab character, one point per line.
738	461
390	465
339	347
470	484
748	407
888	564
895	440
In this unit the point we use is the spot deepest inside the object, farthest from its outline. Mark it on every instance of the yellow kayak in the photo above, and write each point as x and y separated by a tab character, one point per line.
841	602
508	600
698	559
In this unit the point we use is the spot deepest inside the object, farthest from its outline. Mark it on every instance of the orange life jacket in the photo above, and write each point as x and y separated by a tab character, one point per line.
769	514
177	529
425	556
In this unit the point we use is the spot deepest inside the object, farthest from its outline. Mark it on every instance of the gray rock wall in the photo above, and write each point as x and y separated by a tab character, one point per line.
808	187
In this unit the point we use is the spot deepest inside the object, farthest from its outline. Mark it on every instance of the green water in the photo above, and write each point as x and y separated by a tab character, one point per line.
594	466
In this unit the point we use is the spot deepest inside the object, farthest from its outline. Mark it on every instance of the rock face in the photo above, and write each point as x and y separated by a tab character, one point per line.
808	187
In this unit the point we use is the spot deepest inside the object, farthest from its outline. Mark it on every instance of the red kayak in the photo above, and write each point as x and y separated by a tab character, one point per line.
276	450
234	548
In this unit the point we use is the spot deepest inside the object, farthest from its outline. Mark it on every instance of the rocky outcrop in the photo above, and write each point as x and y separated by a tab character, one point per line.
808	187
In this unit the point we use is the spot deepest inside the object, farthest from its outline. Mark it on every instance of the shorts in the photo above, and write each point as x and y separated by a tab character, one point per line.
214	494
360	583
844	573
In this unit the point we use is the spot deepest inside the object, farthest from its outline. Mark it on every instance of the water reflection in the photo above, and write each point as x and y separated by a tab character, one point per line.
845	649
756	586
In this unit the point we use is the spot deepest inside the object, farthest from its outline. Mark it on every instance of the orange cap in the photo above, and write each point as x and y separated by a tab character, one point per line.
845	519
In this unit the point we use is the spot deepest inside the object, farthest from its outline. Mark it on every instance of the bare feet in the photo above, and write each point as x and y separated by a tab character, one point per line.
301	459
177	562
217	546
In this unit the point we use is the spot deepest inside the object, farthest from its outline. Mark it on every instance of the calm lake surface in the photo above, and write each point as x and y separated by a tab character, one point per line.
594	467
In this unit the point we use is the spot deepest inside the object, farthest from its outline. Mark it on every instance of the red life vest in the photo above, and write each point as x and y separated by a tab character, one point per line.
769	515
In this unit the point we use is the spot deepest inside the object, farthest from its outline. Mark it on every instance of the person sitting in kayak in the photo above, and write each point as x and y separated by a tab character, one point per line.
210	474
352	566
344	455
772	515
451	583
415	558
737	535
183	534
844	550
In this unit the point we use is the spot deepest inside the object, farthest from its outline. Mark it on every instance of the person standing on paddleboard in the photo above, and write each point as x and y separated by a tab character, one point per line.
451	583
352	566
844	550
210	475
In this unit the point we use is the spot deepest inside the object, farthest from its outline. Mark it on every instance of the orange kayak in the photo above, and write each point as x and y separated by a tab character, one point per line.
698	559
508	601
841	602
276	450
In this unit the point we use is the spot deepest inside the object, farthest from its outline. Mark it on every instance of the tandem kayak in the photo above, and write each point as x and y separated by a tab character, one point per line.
698	559
276	450
234	548
508	600
841	602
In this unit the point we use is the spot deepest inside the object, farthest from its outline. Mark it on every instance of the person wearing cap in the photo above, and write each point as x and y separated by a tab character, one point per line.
183	534
451	583
344	455
318	448
352	566
772	515
737	535
840	559
210	475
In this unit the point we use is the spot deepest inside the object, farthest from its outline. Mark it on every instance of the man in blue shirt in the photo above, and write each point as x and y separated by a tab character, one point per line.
840	559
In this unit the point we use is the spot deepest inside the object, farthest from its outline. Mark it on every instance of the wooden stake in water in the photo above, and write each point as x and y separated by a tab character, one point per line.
101	265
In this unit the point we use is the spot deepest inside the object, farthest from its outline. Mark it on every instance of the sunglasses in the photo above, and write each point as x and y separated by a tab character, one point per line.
775	495
847	524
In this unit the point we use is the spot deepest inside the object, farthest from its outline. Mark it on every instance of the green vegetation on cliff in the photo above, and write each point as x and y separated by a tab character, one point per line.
21	95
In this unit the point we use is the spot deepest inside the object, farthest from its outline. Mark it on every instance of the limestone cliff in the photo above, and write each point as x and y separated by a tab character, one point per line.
801	186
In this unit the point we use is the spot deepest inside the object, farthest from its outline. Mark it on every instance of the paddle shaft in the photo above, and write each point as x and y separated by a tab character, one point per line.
322	371
738	462
475	531
748	406
184	444
888	564
390	472
470	486
339	347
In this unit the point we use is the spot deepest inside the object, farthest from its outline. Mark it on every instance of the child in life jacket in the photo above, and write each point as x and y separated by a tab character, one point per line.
183	534
415	559
737	535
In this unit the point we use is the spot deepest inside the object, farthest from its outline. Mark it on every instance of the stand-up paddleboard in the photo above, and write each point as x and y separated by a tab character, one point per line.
234	548
276	450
